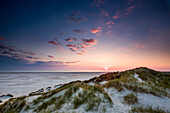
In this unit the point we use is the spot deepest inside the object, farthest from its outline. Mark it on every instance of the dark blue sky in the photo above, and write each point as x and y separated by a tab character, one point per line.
76	35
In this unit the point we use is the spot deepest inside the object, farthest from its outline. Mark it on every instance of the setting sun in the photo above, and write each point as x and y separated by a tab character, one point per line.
106	68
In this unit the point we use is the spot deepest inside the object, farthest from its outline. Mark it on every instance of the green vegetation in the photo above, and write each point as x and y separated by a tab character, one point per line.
148	109
130	99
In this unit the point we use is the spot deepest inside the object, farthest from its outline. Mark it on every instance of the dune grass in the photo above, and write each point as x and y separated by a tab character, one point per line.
148	109
52	92
86	94
150	86
13	107
90	97
130	99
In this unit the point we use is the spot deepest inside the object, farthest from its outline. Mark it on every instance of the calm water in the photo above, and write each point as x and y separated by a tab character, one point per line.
20	83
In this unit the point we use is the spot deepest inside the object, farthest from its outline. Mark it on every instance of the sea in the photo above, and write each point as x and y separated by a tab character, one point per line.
22	83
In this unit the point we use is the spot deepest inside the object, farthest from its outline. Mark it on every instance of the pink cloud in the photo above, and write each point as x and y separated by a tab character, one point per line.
128	10
71	49
139	45
70	45
96	30
109	26
88	45
54	43
1	38
104	12
117	15
90	41
84	51
123	12
109	22
59	48
76	48
78	53
70	39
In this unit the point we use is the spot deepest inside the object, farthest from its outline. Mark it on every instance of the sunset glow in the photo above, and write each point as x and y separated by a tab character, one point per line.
106	68
84	35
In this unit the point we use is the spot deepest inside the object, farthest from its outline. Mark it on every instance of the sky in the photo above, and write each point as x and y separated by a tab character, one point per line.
84	35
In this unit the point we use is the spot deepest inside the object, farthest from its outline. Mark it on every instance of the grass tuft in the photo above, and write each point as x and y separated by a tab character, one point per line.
148	109
130	99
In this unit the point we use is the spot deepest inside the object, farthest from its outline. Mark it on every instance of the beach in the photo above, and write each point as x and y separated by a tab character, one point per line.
22	83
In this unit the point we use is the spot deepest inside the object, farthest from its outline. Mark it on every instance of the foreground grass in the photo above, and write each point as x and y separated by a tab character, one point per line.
148	109
13	105
90	96
86	94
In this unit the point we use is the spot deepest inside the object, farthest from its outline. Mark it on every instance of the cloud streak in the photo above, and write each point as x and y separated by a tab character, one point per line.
79	31
70	39
77	20
99	2
50	56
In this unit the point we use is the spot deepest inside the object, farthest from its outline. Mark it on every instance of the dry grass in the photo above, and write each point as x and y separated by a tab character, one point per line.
148	109
130	99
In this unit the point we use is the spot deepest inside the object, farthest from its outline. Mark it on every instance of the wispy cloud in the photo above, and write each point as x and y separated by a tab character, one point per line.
117	15
71	49
73	62
110	23
104	12
99	2
54	62
78	53
50	56
128	10
138	45
15	53
79	31
75	19
70	45
70	39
